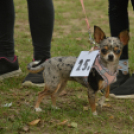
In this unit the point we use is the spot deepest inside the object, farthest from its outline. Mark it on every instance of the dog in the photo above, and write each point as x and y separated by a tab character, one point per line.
57	70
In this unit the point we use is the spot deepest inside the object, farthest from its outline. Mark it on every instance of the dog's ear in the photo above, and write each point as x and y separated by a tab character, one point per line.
98	34
124	37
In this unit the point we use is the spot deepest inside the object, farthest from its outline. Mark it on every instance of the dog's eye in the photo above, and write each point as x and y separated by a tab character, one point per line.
117	51
104	51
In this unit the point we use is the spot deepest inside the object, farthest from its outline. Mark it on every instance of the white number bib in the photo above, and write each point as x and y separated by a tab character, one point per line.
84	63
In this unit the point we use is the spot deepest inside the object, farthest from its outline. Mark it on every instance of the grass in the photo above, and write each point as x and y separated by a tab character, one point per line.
69	38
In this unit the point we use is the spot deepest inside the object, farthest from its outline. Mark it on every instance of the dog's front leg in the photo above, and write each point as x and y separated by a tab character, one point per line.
101	101
107	89
53	99
103	98
91	99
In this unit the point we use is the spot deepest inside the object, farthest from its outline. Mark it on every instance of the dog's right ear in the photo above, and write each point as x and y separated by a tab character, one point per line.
99	35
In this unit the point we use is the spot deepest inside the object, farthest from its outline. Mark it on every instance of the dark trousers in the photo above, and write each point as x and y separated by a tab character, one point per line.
118	20
41	19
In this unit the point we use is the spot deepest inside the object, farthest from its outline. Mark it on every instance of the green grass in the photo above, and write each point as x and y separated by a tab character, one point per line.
69	38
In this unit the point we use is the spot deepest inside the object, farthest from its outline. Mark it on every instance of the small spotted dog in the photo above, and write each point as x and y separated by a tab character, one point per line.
57	70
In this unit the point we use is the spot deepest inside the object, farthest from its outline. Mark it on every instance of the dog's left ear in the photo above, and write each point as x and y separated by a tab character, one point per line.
98	34
124	37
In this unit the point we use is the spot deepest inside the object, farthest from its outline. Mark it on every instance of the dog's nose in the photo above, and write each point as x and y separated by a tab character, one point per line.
110	57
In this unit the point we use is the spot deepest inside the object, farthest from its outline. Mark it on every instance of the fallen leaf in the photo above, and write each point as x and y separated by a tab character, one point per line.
101	16
3	128
62	123
25	128
116	127
107	100
41	124
79	96
73	125
97	133
63	93
27	93
131	118
78	38
111	117
35	122
7	105
53	121
107	105
12	118
85	108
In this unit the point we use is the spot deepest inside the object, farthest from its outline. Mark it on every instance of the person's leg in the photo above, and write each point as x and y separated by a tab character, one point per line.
41	24
8	62
41	19
118	20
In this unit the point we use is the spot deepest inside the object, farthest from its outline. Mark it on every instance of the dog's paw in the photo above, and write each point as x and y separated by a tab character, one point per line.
54	107
101	101
100	104
38	109
95	113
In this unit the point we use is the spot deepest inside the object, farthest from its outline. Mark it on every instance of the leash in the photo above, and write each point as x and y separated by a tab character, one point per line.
88	26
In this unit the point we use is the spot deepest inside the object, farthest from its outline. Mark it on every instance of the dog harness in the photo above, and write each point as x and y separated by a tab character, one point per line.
107	76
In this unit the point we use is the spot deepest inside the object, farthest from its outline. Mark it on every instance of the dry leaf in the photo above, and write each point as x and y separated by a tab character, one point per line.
63	93
73	124
107	105
85	108
78	38
35	122
97	133
131	118
27	93
53	121
62	123
111	117
25	129
7	105
107	100
12	118
117	127
41	124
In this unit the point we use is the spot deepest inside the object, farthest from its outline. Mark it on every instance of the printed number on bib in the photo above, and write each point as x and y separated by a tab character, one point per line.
83	66
84	63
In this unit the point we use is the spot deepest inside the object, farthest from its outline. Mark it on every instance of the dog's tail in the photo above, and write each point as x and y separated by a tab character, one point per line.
36	66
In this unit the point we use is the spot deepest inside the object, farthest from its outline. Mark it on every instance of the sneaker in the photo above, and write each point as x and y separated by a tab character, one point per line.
36	80
121	78
9	68
125	91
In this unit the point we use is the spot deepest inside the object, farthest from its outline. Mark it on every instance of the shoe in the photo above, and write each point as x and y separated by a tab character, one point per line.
35	80
121	78
9	68
125	91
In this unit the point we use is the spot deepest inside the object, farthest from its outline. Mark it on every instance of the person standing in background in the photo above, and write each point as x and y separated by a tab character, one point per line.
118	20
41	20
